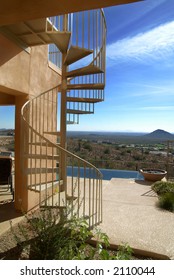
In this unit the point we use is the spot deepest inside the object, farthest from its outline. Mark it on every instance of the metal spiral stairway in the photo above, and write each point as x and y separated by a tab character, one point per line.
79	40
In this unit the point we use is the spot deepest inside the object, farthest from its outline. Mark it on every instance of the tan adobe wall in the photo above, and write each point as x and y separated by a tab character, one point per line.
28	73
25	76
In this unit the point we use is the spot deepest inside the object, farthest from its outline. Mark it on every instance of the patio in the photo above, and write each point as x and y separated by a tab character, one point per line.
130	216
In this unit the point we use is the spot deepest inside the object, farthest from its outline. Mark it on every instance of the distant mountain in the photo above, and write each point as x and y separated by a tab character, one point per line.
160	134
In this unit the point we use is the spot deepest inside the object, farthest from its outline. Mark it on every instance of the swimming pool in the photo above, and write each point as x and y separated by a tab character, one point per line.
108	174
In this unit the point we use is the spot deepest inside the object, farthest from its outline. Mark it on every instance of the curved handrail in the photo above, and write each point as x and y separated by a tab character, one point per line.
41	153
52	143
57	24
87	190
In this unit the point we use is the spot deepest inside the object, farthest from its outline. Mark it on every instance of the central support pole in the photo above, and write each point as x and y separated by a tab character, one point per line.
63	142
63	113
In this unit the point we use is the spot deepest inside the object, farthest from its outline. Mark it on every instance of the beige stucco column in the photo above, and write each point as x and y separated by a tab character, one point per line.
21	193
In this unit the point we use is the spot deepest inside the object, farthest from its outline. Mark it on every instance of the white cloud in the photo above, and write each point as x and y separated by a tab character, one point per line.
157	108
137	108
152	45
164	91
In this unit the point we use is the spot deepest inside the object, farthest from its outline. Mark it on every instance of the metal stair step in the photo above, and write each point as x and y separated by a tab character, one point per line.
71	197
79	112
43	186
60	39
43	144
75	53
84	100
87	70
85	86
57	200
71	122
38	156
40	170
52	132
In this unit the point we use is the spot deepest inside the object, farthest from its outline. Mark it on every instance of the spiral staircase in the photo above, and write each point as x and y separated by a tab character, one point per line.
59	178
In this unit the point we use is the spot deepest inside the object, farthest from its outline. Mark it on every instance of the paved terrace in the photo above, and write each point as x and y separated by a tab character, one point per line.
130	216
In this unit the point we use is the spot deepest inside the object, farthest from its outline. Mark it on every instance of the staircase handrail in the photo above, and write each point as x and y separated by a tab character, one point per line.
42	153
54	19
52	143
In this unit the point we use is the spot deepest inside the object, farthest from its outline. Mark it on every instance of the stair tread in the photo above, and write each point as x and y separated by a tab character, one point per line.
74	111
60	39
87	70
43	144
41	170
52	132
75	53
36	156
71	122
55	200
53	206
86	86
58	200
43	186
83	100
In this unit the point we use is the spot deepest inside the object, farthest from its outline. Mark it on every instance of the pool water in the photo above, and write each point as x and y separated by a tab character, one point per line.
108	174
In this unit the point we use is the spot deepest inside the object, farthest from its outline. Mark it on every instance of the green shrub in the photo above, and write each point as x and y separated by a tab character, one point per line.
166	201
106	151
50	238
87	146
46	238
124	252
137	157
162	187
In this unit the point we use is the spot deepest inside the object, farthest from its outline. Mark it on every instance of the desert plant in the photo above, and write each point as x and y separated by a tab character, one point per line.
50	238
106	151
87	146
47	238
162	187
124	252
166	201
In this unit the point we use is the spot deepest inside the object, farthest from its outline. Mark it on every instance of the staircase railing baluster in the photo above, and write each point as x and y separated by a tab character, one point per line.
42	153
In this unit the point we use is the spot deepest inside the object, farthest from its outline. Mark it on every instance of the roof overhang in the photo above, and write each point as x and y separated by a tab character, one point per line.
13	11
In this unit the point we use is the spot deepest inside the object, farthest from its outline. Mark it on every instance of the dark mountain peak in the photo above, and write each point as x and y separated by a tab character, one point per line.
159	133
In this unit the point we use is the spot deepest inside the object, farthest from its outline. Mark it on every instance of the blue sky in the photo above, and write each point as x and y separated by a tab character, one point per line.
139	93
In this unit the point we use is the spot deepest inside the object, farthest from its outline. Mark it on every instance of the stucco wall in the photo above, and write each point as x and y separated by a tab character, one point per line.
28	73
24	76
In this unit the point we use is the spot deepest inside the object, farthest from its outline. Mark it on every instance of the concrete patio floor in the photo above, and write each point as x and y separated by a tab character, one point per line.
130	215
